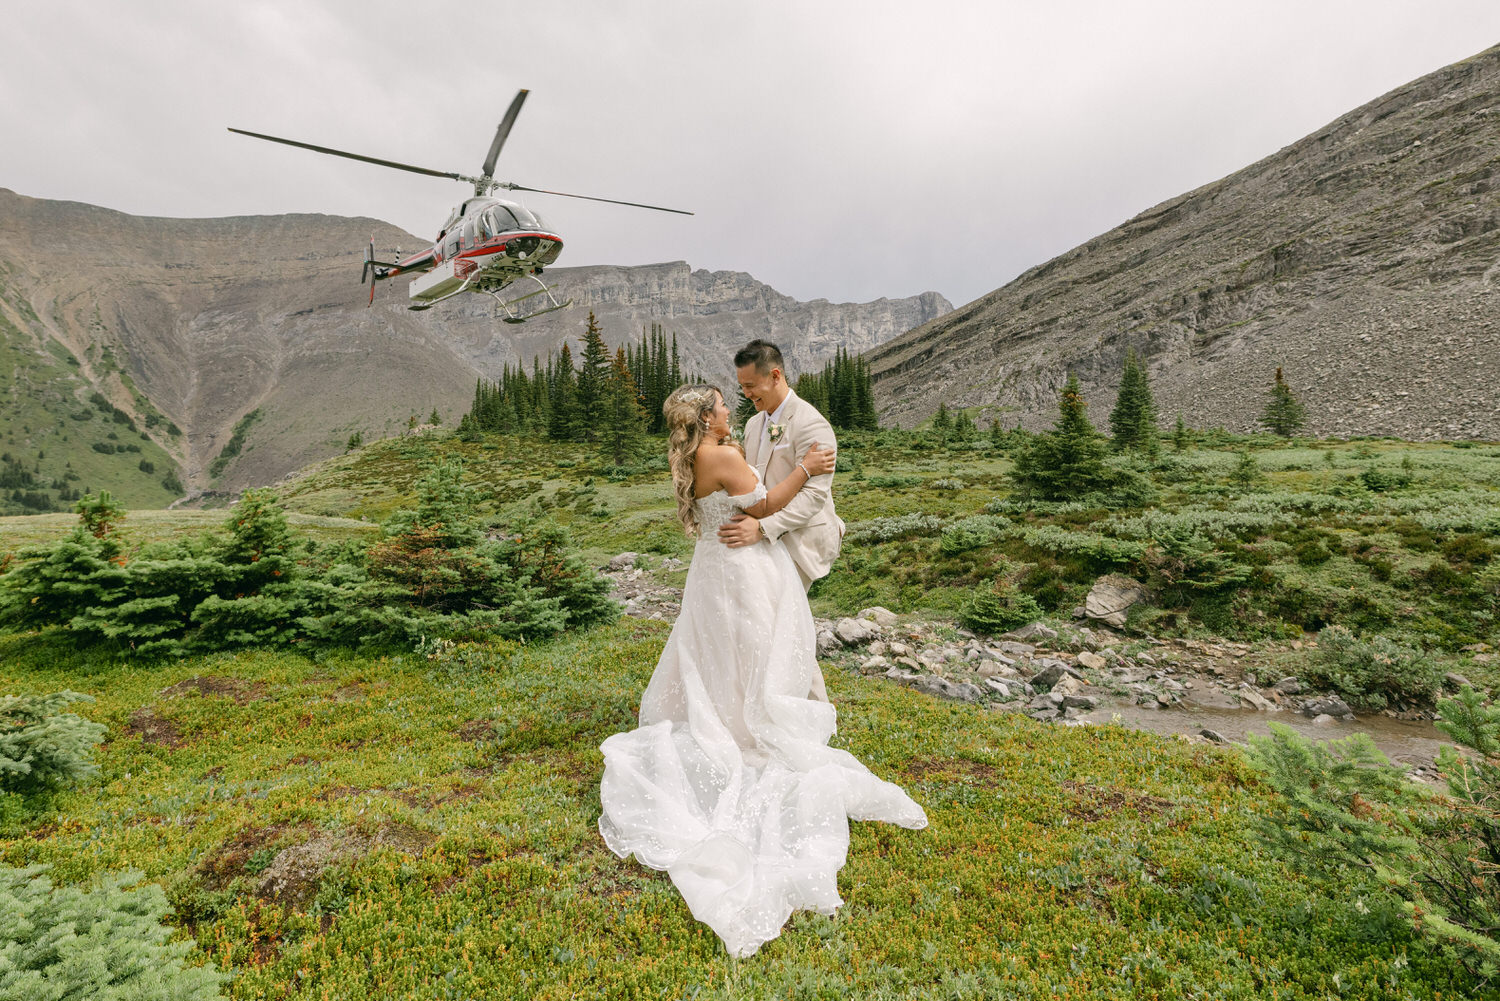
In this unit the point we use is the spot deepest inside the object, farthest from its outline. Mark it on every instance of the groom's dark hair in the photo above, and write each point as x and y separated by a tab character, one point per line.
762	354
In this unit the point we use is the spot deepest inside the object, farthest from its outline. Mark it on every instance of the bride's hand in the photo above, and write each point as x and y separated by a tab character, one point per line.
818	460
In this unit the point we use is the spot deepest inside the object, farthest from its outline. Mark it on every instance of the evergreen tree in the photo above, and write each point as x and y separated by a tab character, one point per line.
563	403
593	375
435	417
1180	439
1283	414
624	418
942	423
1133	421
997	434
1068	461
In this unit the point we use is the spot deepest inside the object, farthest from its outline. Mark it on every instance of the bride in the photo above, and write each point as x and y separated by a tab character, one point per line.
728	784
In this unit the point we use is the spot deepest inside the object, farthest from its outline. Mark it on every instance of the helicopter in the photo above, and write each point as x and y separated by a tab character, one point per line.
487	243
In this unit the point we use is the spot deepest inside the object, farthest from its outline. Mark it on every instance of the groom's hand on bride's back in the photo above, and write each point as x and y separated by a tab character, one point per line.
739	531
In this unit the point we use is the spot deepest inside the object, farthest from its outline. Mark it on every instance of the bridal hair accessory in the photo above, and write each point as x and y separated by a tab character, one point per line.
697	396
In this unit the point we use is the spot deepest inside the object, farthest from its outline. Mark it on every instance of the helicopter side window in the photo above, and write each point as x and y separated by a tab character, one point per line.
484	228
469	232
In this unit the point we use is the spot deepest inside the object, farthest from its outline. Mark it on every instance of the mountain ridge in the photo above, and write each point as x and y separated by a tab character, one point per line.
1362	259
203	321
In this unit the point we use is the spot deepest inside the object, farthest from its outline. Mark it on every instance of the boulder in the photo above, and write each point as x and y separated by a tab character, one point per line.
880	616
1213	735
1068	685
855	631
1050	672
624	561
1251	699
1330	705
1092	661
1031	631
1288	686
933	685
1457	681
1111	597
828	643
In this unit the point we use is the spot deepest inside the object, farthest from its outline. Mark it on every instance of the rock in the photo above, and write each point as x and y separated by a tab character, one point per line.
880	616
1031	631
876	663
624	561
1213	735
1457	681
899	649
1007	689
1017	649
1288	686
1085	702
1092	661
1111	597
1251	699
828	643
1067	685
855	631
1146	658
1050	672
1330	705
1324	720
933	685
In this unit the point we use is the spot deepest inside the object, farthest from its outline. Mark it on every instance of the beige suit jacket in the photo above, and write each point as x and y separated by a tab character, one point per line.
808	525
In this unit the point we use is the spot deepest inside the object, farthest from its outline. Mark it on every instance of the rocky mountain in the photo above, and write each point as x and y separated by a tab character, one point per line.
190	328
1363	259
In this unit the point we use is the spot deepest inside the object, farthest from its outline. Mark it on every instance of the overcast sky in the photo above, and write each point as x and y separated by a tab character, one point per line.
842	150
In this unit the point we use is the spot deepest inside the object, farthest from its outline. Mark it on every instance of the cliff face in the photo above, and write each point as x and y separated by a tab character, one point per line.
1363	259
205	320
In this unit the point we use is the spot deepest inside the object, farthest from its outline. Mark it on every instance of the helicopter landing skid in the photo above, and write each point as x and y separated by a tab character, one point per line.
512	316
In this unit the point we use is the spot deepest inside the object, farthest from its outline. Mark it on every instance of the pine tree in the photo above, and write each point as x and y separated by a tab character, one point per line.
592	376
1283	414
623	416
435	417
942	423
1180	435
1132	423
1068	461
563	402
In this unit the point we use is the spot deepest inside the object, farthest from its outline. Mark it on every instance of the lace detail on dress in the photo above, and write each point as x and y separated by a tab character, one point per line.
728	783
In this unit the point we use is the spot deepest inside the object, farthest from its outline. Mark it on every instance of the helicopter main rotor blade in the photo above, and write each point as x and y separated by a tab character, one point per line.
613	201
502	132
351	156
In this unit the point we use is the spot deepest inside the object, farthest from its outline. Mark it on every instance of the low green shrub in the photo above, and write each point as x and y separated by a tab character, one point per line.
997	608
1372	673
108	944
41	746
1346	817
895	527
972	532
893	480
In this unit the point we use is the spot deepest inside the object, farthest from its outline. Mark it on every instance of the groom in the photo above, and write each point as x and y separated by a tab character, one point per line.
782	431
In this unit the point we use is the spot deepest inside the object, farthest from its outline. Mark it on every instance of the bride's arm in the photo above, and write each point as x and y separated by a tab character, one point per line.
816	462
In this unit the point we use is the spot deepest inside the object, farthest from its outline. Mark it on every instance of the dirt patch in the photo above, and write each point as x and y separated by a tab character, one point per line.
348	693
1091	802
153	728
239	690
227	863
947	768
476	730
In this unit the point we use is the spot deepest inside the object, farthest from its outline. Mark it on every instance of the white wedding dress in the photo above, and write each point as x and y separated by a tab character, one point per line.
729	784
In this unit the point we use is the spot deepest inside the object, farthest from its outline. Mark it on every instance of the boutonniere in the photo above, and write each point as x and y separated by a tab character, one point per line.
774	432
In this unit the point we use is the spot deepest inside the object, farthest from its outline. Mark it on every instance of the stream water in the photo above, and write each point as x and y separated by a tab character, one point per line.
1413	743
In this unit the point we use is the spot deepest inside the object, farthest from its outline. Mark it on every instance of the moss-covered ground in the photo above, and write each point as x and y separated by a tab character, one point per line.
396	827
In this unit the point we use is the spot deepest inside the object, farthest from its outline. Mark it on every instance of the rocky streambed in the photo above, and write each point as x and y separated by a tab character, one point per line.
1088	673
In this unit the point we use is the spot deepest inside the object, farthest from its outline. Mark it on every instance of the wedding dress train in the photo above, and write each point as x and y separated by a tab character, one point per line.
728	784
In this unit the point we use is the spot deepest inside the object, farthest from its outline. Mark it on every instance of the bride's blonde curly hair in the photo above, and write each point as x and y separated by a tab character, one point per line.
684	411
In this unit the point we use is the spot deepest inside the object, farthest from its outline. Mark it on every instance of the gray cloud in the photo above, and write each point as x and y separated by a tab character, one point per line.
845	150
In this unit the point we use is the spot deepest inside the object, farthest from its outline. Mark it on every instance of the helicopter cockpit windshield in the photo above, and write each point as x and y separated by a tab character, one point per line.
512	217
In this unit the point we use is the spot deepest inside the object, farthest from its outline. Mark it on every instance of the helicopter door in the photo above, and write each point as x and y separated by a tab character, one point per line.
469	233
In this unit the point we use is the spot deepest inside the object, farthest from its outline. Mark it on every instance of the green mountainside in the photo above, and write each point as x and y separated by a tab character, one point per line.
60	438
